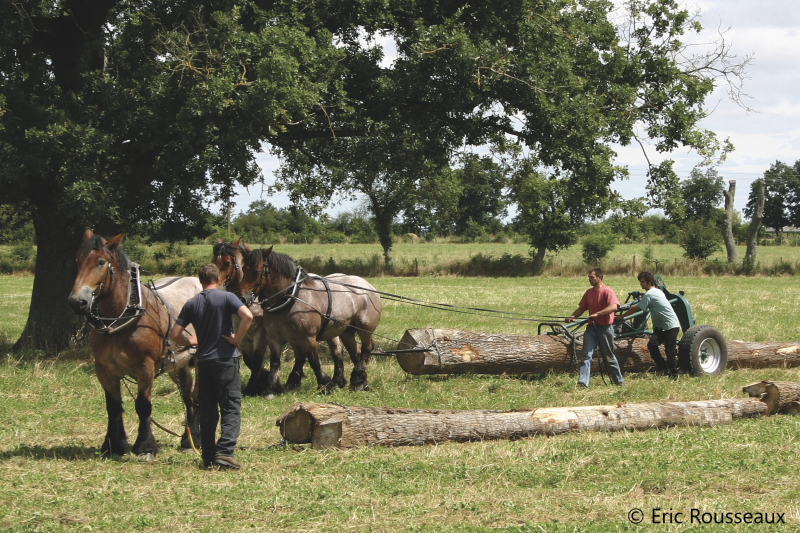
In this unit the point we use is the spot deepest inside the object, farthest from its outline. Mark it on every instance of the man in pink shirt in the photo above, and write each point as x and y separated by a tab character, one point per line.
601	302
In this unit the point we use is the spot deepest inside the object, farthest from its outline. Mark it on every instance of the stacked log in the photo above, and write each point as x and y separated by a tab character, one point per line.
337	426
453	351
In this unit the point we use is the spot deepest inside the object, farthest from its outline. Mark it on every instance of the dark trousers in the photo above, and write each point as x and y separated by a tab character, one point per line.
669	339
220	397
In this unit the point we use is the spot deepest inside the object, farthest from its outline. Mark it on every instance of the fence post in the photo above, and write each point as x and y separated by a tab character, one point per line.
634	262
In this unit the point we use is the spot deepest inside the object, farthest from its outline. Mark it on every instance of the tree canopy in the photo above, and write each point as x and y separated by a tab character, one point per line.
118	114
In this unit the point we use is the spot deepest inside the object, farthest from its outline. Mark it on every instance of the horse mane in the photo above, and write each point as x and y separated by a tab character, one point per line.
96	242
226	248
281	263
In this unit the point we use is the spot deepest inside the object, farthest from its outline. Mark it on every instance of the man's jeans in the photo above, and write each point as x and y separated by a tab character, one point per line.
220	396
599	338
669	339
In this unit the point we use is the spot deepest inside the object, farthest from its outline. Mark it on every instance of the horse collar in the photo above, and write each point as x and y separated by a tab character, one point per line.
131	313
290	298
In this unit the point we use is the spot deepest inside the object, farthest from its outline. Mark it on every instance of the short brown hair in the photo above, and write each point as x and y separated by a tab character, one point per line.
597	272
647	277
208	274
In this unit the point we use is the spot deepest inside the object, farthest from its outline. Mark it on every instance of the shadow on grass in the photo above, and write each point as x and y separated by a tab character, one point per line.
69	453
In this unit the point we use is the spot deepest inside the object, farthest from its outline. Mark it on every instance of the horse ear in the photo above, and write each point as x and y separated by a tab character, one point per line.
267	252
114	241
236	242
219	241
246	248
87	234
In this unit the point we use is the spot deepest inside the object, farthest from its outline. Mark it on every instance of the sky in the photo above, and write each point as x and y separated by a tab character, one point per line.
766	30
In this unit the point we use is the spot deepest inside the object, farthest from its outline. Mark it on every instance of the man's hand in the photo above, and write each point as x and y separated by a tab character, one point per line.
232	339
569	319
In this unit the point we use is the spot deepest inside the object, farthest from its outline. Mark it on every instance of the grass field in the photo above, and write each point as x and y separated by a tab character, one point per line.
52	420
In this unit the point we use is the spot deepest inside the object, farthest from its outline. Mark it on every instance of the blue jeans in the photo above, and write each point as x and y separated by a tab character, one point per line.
599	338
220	397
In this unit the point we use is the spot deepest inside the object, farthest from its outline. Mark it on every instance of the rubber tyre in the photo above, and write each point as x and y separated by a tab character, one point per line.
703	351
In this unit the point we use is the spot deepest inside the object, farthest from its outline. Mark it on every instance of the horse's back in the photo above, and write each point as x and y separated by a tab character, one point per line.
360	288
177	291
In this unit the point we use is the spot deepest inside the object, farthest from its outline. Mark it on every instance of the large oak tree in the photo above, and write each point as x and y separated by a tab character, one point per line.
118	114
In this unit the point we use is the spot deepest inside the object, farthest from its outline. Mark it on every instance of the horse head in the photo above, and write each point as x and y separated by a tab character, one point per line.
229	257
97	260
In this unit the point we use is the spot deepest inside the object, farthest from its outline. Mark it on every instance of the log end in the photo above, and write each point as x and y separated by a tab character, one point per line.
414	362
296	424
328	435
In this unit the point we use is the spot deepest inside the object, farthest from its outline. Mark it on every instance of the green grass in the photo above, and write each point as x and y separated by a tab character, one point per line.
52	420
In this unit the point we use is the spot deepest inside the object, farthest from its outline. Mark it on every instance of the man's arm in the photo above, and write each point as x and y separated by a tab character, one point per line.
177	336
246	317
575	314
612	308
631	310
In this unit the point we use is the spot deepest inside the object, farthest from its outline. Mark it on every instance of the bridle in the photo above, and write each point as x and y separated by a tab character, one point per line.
235	270
109	275
263	276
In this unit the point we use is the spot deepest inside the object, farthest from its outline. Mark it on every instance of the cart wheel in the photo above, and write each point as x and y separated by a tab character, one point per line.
703	350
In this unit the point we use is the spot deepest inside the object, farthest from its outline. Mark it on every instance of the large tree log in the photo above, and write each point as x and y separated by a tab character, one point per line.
454	351
743	354
338	426
780	396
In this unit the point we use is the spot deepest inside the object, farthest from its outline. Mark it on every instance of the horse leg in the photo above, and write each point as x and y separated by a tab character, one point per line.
253	361
310	347
145	440
270	383
189	393
335	346
296	375
115	441
358	379
253	347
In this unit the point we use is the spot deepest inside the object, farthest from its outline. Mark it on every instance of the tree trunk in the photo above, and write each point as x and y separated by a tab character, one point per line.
743	354
727	234
336	426
383	226
460	351
755	226
51	324
538	259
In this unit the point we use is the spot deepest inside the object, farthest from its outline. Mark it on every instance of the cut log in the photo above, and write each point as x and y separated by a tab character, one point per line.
454	351
336	426
743	354
780	396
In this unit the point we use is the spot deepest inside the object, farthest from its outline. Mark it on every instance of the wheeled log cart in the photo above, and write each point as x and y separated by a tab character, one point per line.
701	350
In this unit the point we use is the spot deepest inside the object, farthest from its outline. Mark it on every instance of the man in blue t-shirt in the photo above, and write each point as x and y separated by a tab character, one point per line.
666	325
218	367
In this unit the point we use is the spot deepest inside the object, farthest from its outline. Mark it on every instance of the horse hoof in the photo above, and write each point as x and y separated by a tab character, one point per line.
364	387
147	458
187	451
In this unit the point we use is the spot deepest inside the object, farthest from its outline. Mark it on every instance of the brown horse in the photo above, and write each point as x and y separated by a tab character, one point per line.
133	342
302	309
229	260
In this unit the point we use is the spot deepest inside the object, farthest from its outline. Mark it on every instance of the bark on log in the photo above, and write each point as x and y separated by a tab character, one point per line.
456	351
780	396
743	354
337	426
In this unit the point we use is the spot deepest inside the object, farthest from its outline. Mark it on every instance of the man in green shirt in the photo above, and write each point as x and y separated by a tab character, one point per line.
665	324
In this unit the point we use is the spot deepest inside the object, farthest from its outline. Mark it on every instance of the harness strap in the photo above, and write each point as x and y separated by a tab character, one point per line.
326	318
